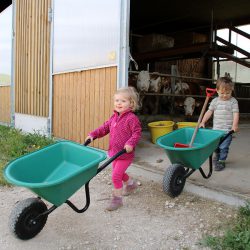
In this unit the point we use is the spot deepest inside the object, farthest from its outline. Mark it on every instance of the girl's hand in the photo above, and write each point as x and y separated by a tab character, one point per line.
128	148
89	138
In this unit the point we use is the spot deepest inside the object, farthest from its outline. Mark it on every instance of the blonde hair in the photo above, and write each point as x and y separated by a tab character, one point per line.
224	83
132	95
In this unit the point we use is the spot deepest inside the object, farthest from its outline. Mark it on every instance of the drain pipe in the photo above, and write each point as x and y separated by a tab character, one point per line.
123	54
12	75
51	20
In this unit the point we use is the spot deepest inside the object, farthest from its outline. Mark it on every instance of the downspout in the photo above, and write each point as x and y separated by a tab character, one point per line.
51	20
123	52
12	77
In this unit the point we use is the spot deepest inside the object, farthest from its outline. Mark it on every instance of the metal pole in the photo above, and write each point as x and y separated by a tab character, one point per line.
51	19
12	84
212	29
173	80
123	46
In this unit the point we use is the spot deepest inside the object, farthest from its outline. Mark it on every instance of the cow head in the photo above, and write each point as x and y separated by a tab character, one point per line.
189	105
155	84
143	81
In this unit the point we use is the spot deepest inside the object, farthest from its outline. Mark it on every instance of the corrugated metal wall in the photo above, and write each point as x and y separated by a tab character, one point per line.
5	104
82	101
32	53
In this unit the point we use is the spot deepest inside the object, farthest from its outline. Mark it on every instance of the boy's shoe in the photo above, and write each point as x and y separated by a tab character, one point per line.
130	188
214	162
220	166
114	203
215	159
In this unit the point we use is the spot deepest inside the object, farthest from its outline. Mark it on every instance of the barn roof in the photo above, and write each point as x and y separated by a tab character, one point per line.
170	16
4	4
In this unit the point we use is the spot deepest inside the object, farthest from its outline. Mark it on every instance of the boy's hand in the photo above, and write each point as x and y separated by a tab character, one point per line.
202	125
128	148
235	128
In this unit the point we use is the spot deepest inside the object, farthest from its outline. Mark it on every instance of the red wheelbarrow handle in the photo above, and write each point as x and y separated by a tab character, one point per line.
210	92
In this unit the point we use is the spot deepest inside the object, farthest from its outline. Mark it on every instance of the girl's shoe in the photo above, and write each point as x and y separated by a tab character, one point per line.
114	203
130	188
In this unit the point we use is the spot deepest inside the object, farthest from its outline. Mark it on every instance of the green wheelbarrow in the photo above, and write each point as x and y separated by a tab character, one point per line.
185	161
53	173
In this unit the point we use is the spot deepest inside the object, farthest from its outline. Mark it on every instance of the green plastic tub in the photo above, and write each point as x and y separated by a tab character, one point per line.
55	172
205	143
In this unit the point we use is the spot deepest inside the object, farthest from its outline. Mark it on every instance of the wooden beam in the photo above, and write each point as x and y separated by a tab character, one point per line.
241	32
242	51
172	52
231	57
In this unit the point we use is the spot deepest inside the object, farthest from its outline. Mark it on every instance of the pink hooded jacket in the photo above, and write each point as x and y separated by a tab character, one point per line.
124	129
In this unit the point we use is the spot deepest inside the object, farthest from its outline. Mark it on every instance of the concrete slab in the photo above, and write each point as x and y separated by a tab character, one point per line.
228	198
232	181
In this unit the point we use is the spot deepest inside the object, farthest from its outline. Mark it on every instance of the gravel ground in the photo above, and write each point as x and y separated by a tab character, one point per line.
149	219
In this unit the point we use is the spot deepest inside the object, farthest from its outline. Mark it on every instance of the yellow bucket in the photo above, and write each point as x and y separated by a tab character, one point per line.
186	124
160	128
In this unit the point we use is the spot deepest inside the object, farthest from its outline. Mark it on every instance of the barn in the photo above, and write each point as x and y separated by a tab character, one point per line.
68	57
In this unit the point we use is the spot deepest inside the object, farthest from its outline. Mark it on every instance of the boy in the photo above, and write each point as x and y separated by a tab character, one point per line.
225	112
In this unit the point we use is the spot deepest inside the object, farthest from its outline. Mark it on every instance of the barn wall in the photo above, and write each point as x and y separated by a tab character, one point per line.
82	101
5	104
32	54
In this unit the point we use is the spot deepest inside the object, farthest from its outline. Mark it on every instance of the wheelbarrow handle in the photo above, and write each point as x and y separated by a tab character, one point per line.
105	164
210	92
87	142
225	137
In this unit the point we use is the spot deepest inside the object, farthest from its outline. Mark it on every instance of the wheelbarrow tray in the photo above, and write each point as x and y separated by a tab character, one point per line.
55	172
206	141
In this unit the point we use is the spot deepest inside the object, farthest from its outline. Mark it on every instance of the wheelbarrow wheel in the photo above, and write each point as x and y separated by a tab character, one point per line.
173	180
23	221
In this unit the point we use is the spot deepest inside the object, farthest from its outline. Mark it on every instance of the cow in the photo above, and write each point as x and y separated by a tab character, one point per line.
149	83
187	104
190	104
143	81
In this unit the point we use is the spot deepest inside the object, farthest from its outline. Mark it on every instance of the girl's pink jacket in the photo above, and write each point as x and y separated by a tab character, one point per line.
124	129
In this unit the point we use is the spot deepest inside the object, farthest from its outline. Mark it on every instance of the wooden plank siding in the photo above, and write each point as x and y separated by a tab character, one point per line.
5	104
32	57
82	101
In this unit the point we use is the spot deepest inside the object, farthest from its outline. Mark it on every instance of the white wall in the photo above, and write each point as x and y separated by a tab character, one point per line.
86	34
31	124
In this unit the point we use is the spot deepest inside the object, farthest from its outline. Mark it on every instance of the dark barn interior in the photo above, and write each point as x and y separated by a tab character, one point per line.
177	40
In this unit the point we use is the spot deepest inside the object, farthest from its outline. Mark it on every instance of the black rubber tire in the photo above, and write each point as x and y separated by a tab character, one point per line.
173	180
21	221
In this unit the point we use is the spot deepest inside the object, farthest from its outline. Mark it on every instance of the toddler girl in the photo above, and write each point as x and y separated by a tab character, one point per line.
125	131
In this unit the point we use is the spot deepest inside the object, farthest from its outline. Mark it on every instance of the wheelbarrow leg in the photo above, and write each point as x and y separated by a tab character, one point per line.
87	201
210	169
